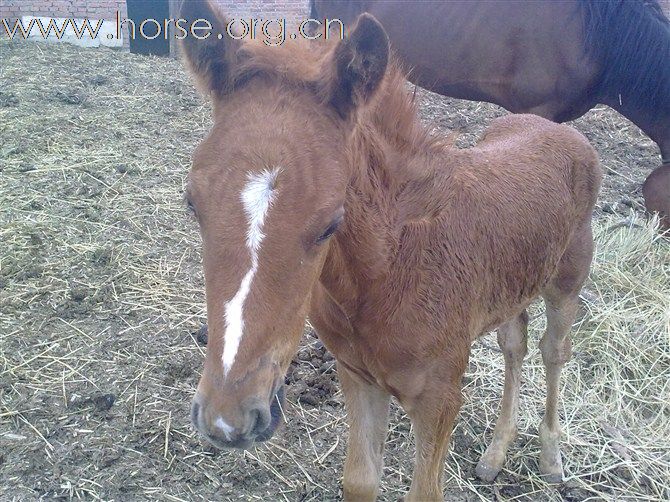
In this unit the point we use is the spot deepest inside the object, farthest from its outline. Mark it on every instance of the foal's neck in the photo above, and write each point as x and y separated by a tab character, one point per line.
399	175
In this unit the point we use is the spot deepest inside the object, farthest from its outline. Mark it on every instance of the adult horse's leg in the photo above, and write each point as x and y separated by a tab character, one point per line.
433	414
367	409
512	337
656	191
655	123
561	298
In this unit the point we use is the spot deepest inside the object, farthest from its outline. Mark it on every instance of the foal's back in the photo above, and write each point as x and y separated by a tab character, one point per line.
510	206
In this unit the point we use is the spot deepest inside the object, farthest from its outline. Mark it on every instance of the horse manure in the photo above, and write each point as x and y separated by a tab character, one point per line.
101	402
201	335
78	294
69	96
98	80
609	208
104	402
318	389
309	399
627	201
8	100
327	367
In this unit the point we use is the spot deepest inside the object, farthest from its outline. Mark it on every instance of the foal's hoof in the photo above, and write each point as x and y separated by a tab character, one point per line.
486	472
492	460
551	467
553	477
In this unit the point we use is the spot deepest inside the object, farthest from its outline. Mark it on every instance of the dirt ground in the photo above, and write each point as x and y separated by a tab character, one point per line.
101	301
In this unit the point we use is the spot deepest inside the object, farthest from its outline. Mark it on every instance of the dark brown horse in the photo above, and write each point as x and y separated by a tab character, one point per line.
318	192
556	59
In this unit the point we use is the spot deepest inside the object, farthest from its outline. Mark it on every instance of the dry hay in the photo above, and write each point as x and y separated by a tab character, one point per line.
101	296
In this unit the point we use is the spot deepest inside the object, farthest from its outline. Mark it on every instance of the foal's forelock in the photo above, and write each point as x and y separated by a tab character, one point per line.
256	198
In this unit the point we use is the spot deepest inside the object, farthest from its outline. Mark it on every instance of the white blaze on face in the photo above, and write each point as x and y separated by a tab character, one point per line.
257	196
224	427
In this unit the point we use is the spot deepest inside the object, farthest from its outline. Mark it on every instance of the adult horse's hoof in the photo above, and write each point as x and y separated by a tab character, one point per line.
656	192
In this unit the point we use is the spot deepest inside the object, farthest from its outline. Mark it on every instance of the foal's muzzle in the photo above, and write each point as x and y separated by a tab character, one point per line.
260	421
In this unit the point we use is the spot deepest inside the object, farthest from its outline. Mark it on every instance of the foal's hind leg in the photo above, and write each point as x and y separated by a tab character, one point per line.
556	350
367	409
561	297
512	337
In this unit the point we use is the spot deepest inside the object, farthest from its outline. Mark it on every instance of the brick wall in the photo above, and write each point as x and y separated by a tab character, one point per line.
293	11
77	9
106	9
94	9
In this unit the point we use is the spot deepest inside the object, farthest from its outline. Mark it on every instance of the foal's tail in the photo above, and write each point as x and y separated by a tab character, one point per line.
630	39
587	174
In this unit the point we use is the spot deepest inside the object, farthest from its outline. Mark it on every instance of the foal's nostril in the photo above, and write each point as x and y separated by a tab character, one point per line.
259	419
254	417
195	413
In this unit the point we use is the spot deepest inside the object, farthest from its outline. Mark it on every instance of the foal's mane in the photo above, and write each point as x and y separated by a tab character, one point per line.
393	113
632	40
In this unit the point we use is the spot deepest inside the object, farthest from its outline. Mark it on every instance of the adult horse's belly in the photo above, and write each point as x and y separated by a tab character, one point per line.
517	54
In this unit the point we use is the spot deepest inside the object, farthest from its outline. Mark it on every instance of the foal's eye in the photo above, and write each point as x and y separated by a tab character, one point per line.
329	231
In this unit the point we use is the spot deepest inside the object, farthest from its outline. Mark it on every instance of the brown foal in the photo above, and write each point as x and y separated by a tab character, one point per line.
318	193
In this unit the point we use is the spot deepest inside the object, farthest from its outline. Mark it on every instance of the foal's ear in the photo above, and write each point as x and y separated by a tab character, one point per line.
358	66
210	59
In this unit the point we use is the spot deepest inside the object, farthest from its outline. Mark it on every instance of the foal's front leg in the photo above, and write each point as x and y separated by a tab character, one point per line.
367	409
433	416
